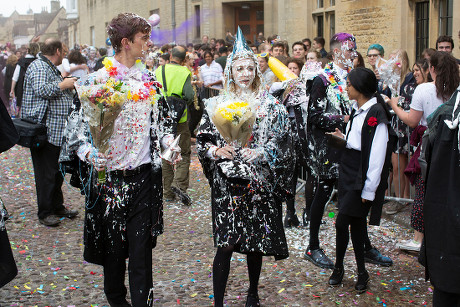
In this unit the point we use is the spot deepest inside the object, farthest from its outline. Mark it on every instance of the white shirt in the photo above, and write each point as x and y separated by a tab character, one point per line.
65	66
212	73
80	73
425	99
378	147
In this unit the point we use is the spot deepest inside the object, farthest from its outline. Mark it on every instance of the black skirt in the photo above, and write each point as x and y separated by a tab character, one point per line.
350	202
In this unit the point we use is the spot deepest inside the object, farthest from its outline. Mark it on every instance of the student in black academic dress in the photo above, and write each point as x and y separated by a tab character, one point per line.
363	169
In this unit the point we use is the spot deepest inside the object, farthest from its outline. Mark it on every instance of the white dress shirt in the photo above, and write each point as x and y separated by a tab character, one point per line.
378	148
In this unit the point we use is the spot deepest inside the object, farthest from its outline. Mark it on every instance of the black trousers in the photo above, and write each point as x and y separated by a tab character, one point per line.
48	179
445	299
8	269
136	211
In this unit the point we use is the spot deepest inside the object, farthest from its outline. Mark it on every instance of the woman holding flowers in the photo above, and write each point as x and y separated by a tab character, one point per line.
244	145
125	120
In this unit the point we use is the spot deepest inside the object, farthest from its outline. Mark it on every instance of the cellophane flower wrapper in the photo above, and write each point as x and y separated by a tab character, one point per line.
101	101
390	75
310	70
234	119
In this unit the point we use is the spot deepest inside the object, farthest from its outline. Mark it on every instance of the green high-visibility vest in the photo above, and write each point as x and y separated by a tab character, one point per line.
176	76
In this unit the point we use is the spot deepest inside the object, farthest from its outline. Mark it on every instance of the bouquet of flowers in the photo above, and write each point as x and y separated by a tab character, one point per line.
102	95
234	121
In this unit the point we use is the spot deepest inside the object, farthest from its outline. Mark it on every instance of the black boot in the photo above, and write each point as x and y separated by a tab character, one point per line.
337	276
252	300
291	219
361	284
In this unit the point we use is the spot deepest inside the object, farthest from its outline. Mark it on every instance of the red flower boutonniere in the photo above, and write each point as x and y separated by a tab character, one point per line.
372	121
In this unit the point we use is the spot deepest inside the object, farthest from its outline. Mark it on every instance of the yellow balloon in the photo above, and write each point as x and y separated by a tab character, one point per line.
280	70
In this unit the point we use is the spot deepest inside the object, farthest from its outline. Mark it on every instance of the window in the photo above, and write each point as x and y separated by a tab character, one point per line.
445	17
422	23
332	3
72	5
320	26
331	25
197	22
320	3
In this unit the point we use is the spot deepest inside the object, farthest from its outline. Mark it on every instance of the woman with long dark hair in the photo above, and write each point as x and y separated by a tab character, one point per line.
362	184
426	99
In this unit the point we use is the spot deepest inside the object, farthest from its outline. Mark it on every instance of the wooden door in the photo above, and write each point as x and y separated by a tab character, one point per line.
250	20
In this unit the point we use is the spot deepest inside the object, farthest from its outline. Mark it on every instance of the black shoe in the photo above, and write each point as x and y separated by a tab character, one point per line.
66	213
305	218
50	220
319	258
337	276
124	303
361	284
375	257
291	219
252	301
183	196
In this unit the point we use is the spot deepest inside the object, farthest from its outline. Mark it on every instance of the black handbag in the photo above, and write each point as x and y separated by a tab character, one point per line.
176	104
31	133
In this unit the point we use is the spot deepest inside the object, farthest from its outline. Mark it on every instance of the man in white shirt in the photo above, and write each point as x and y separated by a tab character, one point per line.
126	212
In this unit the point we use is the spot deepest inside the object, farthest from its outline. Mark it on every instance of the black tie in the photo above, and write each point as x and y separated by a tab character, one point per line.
352	116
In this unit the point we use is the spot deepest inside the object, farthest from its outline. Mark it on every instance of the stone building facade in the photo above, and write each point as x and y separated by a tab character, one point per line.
408	24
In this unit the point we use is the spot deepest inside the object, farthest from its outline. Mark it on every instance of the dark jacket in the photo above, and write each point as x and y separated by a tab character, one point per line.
19	89
441	210
324	116
8	137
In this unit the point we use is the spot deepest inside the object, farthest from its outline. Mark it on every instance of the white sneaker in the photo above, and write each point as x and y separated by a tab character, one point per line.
409	245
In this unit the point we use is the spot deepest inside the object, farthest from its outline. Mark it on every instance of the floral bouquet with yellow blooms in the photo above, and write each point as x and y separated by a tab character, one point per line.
102	95
234	120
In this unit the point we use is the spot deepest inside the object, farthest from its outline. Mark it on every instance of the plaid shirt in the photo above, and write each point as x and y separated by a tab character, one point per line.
43	95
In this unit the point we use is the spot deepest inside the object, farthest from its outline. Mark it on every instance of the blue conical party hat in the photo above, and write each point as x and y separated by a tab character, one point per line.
240	46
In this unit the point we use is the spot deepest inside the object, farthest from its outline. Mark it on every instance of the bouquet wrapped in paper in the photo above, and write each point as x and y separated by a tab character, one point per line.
234	120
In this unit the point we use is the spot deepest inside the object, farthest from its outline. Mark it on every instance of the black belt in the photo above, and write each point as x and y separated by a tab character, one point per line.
130	172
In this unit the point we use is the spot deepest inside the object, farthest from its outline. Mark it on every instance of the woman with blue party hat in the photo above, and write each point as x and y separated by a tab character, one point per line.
245	148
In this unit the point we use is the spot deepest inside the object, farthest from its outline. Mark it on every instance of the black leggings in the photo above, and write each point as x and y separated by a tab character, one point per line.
358	230
309	189
221	269
323	192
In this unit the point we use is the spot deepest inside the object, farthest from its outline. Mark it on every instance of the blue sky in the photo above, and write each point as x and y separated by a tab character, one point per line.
22	6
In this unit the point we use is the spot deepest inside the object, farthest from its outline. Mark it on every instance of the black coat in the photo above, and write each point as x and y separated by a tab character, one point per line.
441	209
248	213
8	137
327	108
8	134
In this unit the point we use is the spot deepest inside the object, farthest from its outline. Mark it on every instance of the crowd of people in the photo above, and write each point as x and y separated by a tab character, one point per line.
349	128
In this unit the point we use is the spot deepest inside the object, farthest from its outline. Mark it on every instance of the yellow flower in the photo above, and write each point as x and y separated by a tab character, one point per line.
233	111
107	63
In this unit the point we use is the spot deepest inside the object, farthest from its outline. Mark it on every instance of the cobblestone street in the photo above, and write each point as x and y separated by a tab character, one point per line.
52	271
